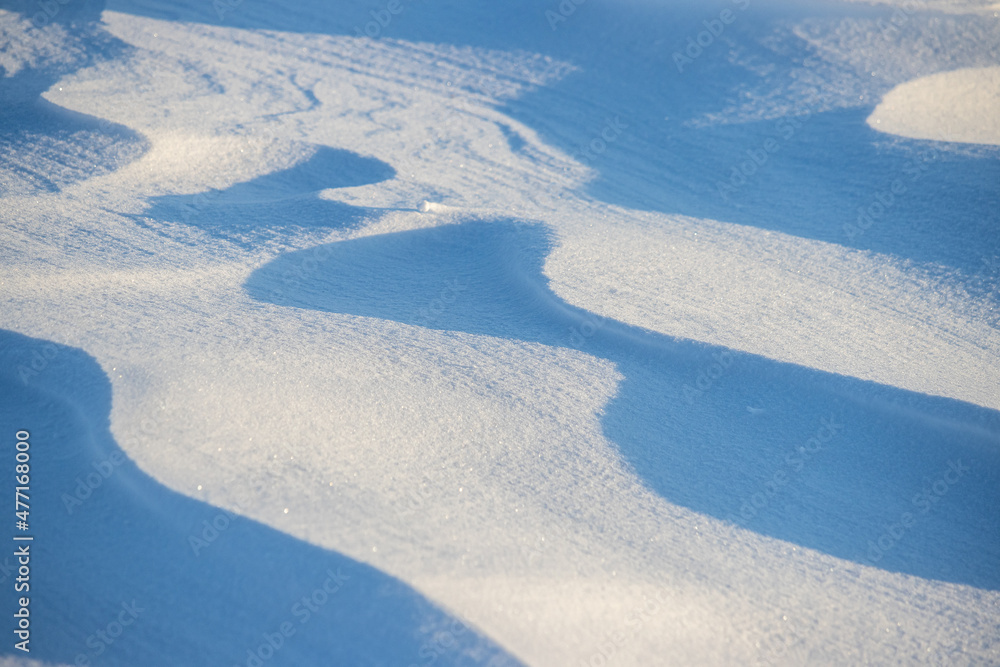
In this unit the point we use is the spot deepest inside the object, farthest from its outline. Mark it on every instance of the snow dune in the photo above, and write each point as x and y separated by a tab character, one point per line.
960	106
492	338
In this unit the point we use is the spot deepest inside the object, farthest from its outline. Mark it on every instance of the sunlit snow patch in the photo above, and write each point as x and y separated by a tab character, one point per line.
962	105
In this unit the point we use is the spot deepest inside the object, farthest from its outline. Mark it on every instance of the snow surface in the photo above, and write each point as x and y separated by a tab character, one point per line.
505	332
950	106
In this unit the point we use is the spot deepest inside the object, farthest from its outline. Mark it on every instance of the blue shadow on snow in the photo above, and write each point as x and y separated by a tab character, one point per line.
269	205
827	165
128	542
723	450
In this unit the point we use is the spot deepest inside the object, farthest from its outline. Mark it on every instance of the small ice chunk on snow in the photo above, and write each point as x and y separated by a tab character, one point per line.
431	207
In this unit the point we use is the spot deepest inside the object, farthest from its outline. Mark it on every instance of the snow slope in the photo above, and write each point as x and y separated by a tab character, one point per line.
950	106
680	361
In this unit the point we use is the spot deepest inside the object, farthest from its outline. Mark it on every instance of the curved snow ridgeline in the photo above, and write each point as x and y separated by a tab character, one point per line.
961	106
450	334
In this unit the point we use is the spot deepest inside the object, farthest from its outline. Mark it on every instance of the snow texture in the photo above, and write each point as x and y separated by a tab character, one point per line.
435	333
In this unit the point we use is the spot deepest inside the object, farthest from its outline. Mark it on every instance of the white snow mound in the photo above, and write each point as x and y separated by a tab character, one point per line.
961	106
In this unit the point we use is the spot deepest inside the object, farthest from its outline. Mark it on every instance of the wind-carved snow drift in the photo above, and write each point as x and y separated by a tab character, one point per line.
579	408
